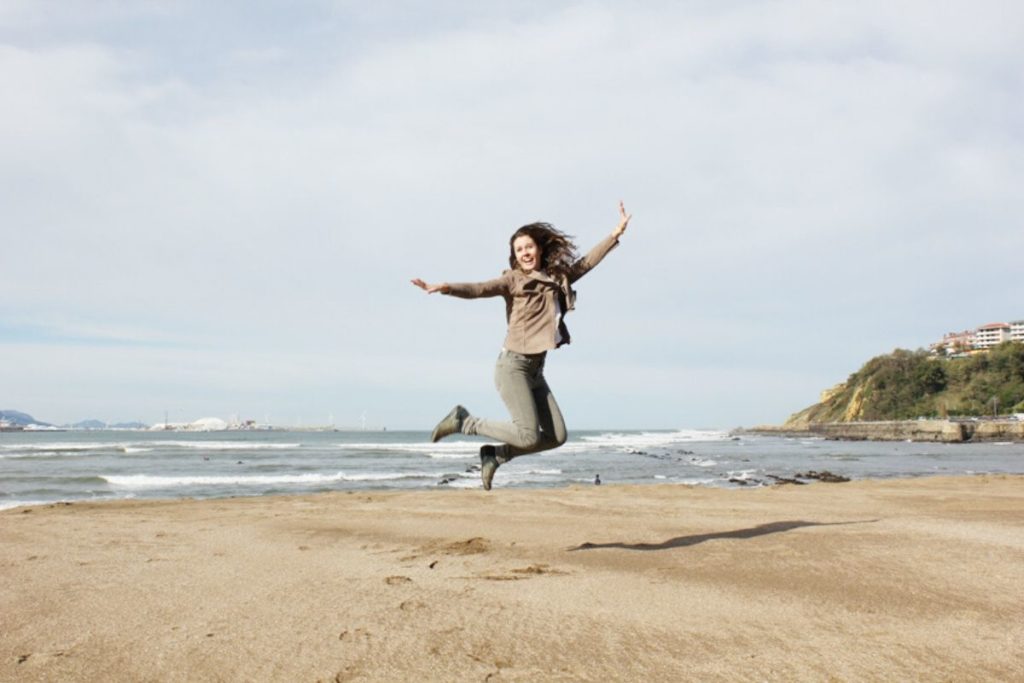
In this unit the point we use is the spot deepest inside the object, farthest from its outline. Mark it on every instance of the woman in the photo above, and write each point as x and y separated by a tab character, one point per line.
538	293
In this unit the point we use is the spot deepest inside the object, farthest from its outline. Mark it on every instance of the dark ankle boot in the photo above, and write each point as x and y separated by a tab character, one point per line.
489	463
451	424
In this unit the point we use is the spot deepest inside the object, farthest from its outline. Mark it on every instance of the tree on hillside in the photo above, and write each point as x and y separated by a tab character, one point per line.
908	384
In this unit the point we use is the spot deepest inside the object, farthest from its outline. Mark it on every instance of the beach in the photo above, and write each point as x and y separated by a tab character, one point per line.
901	579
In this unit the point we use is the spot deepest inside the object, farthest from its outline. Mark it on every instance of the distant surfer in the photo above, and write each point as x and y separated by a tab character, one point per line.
537	289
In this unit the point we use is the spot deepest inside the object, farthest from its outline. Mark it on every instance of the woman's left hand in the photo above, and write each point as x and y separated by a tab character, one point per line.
623	221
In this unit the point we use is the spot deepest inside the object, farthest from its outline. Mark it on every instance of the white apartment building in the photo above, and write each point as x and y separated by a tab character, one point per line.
954	343
982	339
991	335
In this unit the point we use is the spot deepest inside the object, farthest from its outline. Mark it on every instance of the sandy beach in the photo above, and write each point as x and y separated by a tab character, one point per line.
872	580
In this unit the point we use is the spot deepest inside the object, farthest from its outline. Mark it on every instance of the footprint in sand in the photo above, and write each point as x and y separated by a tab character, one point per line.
537	569
357	634
523	573
472	546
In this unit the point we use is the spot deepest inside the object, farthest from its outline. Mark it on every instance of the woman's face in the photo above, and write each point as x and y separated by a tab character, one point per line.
527	253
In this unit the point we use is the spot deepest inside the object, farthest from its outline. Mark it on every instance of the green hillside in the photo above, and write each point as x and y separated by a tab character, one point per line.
905	385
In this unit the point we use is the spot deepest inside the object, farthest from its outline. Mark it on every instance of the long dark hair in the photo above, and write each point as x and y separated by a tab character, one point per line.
558	252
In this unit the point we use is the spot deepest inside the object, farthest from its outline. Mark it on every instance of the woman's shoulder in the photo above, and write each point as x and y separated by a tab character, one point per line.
516	280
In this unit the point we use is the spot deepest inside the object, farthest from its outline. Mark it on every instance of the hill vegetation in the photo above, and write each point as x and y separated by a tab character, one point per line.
905	385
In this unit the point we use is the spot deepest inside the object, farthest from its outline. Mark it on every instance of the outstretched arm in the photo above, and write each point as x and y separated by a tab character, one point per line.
467	290
623	221
430	289
594	256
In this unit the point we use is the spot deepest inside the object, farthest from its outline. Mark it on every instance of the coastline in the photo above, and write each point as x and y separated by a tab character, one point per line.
873	579
925	431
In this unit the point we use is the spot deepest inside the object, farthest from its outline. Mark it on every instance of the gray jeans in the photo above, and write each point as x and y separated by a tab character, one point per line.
537	423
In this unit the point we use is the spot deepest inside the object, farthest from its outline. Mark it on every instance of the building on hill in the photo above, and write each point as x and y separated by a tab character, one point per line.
991	335
955	343
979	340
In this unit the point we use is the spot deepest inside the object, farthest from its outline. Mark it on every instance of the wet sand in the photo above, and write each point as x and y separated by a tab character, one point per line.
872	580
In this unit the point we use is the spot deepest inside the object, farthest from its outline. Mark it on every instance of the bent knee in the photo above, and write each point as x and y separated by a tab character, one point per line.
527	439
551	441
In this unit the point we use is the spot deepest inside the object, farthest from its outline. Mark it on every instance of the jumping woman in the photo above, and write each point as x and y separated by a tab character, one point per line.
538	293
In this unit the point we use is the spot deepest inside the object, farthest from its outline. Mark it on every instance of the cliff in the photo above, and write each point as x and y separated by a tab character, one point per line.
906	385
911	395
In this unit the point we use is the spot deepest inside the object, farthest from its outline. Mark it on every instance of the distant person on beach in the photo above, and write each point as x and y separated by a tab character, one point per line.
538	293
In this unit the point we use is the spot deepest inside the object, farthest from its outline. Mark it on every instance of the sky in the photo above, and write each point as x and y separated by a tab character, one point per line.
215	209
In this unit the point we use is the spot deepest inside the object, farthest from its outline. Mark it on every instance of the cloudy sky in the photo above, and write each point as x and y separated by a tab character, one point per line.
214	209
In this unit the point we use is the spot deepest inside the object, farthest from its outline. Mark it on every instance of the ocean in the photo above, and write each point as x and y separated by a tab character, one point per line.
45	467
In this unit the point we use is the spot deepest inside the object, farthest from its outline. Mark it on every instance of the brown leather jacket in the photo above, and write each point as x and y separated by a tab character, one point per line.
533	301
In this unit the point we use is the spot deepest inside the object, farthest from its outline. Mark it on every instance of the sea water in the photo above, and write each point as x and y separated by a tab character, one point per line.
45	467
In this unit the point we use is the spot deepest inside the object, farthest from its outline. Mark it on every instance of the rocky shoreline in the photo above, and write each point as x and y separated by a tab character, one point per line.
935	431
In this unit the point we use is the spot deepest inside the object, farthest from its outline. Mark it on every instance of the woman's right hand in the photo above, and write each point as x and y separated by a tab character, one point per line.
430	289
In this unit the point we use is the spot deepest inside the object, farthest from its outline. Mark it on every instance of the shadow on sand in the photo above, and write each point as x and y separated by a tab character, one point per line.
685	541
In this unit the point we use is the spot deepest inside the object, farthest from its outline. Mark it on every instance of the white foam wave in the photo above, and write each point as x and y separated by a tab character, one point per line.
655	439
740	474
44	454
440	451
7	505
390	476
149	481
528	476
58	447
694	481
466	483
453	451
235	445
68	449
703	462
585	444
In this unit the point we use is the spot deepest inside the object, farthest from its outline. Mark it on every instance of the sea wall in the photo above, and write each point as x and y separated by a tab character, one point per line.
937	431
996	430
941	431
